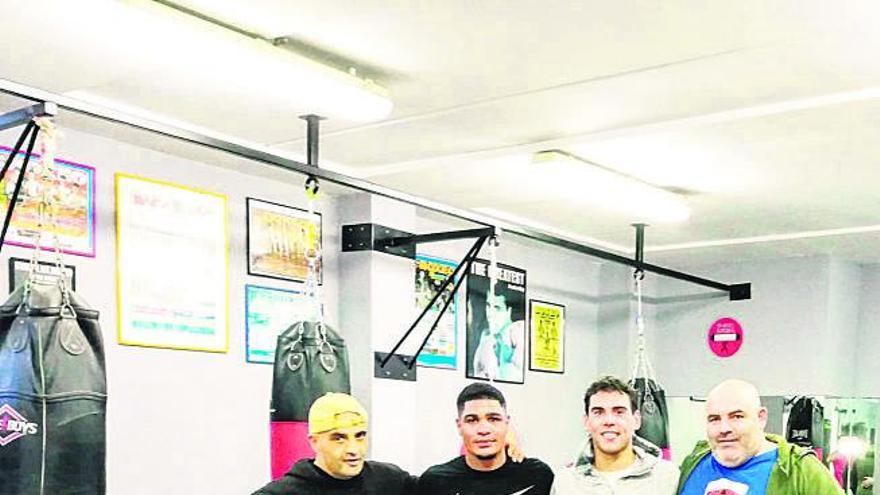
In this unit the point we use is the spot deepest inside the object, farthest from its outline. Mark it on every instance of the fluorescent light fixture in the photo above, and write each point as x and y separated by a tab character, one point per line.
174	46
158	118
569	176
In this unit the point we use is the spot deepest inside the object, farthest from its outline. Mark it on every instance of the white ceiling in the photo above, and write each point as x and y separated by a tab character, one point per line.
767	112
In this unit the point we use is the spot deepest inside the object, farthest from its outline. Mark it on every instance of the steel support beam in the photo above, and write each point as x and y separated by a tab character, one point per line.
259	153
24	115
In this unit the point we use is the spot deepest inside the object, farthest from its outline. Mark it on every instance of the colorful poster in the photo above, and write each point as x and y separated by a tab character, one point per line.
496	331
547	337
68	191
280	239
172	266
269	312
440	351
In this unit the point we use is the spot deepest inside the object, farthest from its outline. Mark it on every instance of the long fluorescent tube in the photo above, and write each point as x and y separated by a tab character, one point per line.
179	47
580	180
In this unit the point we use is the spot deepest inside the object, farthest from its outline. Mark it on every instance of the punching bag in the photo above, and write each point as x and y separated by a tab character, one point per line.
806	424
53	394
650	396
310	360
651	403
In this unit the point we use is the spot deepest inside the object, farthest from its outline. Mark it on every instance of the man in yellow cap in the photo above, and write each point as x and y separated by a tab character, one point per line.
338	435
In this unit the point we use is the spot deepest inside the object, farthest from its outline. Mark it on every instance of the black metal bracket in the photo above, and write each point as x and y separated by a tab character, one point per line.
313	127
375	237
736	292
396	368
372	237
31	129
362	238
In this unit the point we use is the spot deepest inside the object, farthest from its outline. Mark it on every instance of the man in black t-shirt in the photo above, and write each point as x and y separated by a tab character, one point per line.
338	435
485	468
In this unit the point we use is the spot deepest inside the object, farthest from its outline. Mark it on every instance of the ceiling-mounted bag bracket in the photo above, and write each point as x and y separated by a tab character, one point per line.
22	116
458	275
736	292
27	117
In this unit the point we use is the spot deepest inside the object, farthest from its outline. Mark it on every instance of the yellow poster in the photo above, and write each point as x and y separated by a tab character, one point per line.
547	329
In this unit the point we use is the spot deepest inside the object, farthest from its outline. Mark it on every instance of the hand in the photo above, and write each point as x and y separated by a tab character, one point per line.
514	445
868	483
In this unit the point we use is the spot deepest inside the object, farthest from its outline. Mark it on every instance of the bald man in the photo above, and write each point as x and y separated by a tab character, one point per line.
744	459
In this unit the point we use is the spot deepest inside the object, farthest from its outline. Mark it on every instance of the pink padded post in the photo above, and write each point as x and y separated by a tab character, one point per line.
290	443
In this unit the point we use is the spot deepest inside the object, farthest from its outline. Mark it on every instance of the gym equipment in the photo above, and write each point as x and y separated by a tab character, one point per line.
53	393
53	389
310	360
650	396
806	424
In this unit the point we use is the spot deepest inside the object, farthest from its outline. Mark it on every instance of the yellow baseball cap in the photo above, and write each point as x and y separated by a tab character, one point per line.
333	411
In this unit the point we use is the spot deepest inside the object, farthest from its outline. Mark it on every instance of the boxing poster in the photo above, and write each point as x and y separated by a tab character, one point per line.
280	239
496	326
70	189
172	266
440	351
546	337
270	311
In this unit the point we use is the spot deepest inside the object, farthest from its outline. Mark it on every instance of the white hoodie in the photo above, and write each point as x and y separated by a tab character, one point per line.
649	475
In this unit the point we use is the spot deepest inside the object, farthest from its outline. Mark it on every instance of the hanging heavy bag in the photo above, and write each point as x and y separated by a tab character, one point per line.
806	424
651	403
53	394
310	360
650	396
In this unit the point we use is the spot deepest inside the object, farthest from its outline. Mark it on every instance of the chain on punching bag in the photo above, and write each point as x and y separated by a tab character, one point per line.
650	396
53	391
310	360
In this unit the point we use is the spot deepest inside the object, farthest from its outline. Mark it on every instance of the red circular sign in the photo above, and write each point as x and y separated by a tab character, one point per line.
725	337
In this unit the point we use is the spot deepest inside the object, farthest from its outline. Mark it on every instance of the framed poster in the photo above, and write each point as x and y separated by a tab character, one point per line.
440	351
546	336
278	238
496	330
46	272
172	266
268	312
70	190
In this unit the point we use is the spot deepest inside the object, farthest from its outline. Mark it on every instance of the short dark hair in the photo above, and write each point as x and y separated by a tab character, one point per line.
477	391
609	383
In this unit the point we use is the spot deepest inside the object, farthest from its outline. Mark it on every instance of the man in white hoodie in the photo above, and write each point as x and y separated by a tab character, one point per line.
613	459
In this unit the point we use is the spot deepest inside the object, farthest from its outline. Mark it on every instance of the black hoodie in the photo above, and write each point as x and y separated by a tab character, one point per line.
377	478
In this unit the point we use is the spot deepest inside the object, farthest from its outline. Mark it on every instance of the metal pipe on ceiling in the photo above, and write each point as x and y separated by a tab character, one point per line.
259	153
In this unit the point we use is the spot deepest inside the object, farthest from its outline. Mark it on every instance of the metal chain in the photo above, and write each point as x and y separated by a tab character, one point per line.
642	365
493	265
313	255
49	199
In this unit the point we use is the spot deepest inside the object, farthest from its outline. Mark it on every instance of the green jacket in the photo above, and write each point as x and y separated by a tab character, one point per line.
797	470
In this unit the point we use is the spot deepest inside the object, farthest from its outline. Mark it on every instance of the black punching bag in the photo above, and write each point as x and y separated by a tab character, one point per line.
53	394
651	403
310	360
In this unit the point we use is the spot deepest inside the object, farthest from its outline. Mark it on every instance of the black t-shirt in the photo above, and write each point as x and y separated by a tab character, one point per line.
530	477
377	478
